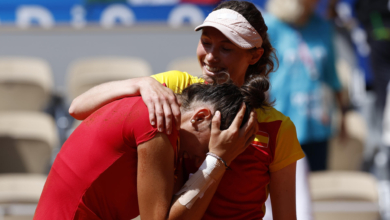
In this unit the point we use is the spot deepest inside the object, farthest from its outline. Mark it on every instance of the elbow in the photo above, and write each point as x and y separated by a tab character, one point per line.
73	111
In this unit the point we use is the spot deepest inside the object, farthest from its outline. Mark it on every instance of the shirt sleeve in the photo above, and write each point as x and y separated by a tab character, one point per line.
138	129
287	150
176	80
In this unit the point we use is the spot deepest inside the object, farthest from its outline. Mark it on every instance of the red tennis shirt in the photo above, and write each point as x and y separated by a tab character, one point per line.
94	176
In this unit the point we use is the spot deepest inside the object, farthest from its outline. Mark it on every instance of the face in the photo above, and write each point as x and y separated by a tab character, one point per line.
216	54
194	137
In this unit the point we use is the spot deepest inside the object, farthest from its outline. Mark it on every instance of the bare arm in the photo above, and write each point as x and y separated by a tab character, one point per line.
155	170
282	191
161	101
155	177
155	184
93	99
227	144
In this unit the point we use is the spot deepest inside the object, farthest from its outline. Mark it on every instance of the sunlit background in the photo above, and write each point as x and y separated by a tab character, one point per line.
52	51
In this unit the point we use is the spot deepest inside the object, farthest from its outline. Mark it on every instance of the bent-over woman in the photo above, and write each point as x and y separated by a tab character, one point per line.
115	165
234	43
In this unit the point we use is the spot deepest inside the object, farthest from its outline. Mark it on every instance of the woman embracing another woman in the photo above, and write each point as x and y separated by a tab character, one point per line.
115	165
234	45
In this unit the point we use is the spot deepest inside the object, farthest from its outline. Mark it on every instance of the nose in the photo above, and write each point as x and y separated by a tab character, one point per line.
212	55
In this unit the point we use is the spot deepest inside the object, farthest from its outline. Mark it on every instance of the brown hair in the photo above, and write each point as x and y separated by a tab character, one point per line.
266	63
227	98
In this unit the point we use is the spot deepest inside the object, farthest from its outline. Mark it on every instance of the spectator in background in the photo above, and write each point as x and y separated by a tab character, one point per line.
306	79
375	19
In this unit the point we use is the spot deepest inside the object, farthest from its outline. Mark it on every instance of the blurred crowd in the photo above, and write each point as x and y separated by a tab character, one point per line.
332	81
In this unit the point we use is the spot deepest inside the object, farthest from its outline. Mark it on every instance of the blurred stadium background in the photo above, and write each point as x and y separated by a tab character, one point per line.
51	51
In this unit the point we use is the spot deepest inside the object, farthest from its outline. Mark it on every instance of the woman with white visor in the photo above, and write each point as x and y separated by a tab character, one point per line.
234	45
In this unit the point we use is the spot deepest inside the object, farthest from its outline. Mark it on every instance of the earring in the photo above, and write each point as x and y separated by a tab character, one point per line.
193	121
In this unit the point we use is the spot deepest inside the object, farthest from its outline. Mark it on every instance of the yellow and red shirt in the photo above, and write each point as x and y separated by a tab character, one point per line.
243	190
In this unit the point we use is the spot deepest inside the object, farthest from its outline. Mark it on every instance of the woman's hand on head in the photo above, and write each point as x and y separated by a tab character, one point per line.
230	143
162	105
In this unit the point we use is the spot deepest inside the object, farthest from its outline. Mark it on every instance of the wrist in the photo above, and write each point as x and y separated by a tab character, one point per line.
138	84
213	167
226	163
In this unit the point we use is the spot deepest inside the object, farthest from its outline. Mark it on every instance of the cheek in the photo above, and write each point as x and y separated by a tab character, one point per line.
237	66
200	52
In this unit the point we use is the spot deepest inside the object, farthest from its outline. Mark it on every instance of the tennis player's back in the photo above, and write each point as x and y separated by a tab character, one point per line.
94	175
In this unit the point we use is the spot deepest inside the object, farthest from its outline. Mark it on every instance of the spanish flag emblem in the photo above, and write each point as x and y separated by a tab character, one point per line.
261	139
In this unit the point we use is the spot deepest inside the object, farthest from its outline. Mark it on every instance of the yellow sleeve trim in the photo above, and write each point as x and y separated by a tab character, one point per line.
293	158
287	149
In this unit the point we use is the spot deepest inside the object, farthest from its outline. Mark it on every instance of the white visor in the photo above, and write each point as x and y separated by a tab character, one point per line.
234	26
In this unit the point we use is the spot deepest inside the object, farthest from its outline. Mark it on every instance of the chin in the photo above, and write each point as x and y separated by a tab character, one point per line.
207	78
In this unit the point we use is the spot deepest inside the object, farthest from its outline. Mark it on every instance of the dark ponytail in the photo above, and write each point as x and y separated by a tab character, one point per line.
227	98
254	92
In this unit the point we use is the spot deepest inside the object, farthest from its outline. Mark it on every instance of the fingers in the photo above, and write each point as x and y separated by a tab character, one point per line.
176	114
170	108
251	126
160	117
239	117
168	118
162	106
175	110
216	122
152	117
249	140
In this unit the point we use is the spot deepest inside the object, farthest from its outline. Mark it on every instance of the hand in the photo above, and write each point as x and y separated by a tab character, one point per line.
162	105
228	144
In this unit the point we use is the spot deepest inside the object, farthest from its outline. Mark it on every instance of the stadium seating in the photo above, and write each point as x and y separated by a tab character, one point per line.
347	153
28	136
344	195
187	64
27	142
25	83
89	72
19	195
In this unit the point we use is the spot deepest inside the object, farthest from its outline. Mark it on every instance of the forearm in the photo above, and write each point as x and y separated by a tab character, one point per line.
190	205
88	102
179	211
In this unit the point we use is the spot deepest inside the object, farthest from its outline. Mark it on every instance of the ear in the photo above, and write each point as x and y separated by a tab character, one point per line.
200	115
256	54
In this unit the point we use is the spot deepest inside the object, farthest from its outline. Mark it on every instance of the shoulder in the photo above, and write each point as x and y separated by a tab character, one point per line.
270	114
177	80
177	75
283	138
283	126
137	127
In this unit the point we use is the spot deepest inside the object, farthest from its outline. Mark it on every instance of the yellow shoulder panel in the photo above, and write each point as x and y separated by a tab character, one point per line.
176	80
287	148
269	114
